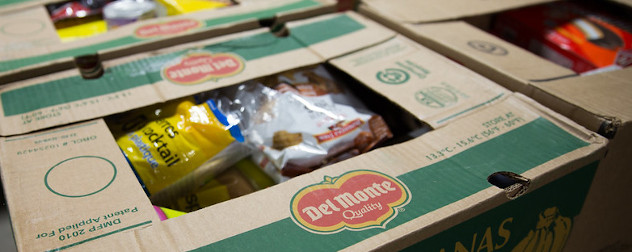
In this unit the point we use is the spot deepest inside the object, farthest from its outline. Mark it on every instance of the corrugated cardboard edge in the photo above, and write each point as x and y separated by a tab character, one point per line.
600	101
416	12
604	223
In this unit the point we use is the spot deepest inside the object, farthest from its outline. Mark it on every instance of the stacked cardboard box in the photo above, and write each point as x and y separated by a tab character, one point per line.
69	187
30	45
599	101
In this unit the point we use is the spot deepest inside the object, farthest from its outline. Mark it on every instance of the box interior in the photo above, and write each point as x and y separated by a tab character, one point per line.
403	125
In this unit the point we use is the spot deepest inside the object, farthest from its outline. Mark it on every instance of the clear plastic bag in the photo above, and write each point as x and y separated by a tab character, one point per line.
306	122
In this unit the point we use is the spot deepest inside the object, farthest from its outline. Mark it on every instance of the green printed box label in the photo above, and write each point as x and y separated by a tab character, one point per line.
539	221
167	28
199	67
78	230
356	200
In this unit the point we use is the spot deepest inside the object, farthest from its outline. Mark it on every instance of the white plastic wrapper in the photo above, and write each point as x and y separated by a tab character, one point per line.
299	128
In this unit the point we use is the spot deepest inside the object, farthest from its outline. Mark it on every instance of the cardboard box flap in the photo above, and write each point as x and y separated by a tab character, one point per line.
359	32
412	11
603	96
431	87
152	34
33	23
70	185
487	54
442	170
10	6
148	78
624	2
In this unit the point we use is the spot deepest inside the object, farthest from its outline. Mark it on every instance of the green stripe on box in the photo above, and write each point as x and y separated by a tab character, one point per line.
24	62
431	188
343	25
129	40
10	2
148	70
267	13
504	227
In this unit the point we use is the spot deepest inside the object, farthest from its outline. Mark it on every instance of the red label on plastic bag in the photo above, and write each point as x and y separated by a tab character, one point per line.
339	130
169	28
199	67
624	58
356	200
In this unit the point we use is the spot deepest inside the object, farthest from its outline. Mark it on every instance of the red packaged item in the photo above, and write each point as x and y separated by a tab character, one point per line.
75	9
578	36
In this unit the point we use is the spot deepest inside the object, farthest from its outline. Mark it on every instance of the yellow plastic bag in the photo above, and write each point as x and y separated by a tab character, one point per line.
177	7
167	147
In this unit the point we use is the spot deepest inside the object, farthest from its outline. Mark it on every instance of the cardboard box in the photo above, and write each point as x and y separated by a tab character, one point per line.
465	42
584	37
141	80
599	102
476	49
439	180
30	45
432	182
418	12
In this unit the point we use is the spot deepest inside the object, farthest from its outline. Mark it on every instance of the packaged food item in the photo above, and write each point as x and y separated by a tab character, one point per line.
164	143
307	122
166	213
75	9
241	179
122	12
177	7
578	35
185	154
84	30
78	19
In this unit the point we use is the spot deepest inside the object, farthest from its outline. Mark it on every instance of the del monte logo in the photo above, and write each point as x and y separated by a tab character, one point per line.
167	28
356	200
198	67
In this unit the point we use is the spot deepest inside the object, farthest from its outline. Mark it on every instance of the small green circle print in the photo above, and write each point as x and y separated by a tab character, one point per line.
393	76
80	176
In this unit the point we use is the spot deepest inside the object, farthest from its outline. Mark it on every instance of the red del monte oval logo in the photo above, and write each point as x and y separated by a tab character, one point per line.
198	67
356	200
168	28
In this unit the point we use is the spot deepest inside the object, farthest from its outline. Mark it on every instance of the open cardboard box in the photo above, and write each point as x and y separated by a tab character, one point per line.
69	187
467	42
599	101
30	45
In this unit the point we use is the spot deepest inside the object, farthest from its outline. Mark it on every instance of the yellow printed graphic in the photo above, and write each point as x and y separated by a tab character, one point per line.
549	235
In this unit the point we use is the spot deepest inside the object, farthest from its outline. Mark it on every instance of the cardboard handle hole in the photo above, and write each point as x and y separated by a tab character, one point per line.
514	184
267	22
89	66
280	30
